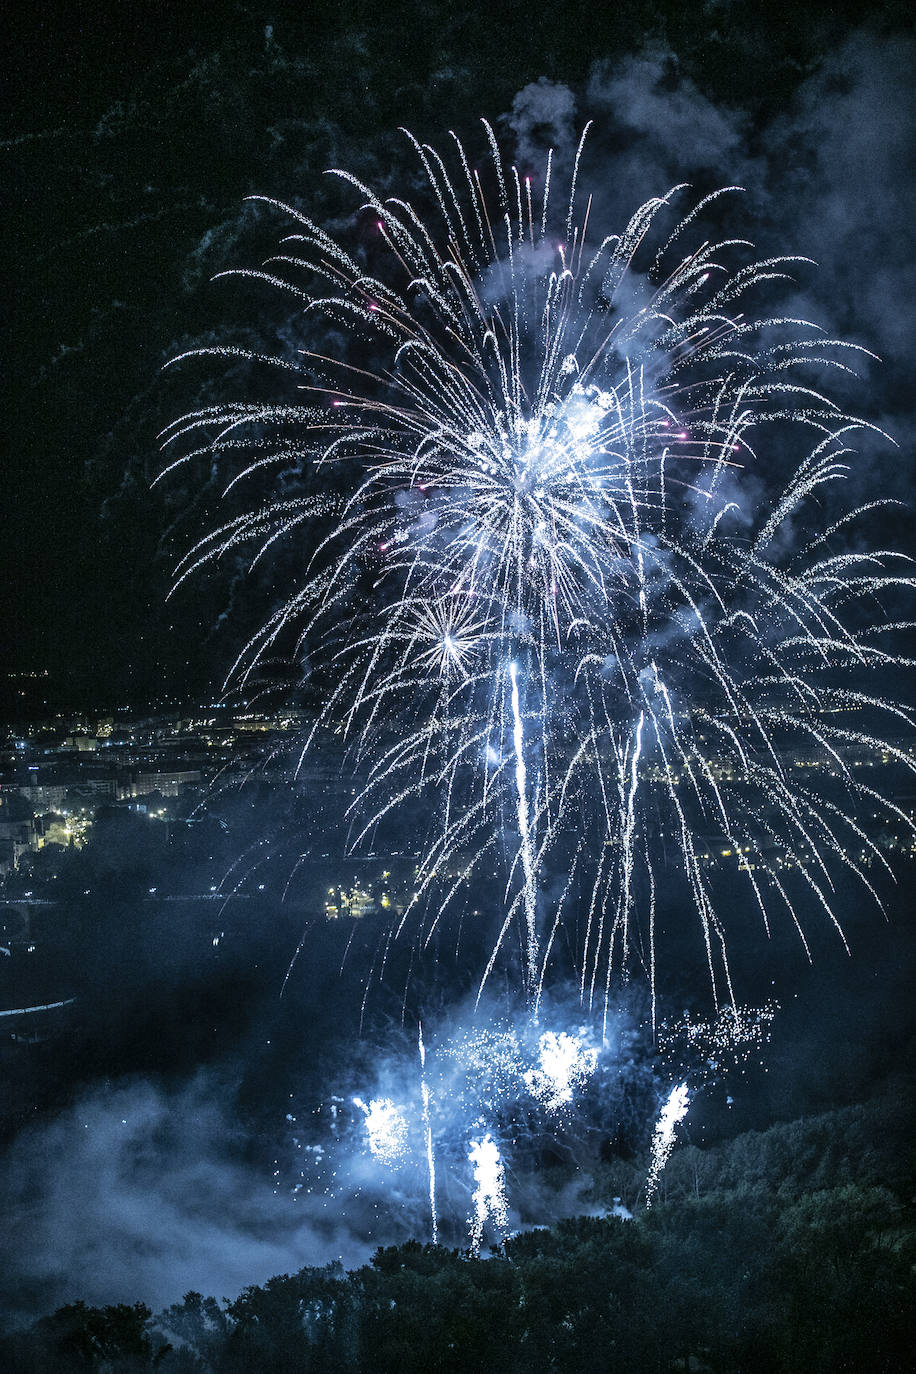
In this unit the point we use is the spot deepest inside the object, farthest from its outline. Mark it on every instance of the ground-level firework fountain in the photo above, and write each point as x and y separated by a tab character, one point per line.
428	1141
449	1134
674	1111
490	1202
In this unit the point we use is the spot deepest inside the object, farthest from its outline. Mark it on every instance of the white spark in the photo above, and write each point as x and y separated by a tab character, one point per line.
521	783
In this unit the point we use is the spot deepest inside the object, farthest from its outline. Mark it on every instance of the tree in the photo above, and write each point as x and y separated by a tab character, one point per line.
106	1340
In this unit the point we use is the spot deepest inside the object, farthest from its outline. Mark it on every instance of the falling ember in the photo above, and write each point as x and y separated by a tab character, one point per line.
490	1202
674	1110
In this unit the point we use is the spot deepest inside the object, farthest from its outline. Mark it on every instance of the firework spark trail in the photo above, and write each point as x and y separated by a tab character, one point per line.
530	879
490	1201
428	1140
554	459
674	1111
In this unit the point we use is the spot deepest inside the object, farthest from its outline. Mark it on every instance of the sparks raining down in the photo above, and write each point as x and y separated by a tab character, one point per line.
674	1110
490	1202
542	591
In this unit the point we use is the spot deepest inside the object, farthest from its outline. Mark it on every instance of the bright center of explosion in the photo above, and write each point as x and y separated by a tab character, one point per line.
558	453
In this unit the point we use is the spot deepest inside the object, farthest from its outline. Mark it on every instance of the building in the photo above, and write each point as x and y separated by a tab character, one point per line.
19	831
168	784
47	788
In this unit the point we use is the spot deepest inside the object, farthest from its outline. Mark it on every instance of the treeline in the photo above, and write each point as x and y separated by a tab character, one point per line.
779	1251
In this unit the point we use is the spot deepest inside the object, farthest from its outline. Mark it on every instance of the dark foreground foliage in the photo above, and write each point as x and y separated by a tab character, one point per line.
780	1251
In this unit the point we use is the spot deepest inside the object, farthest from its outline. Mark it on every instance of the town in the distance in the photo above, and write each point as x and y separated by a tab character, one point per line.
195	817
206	820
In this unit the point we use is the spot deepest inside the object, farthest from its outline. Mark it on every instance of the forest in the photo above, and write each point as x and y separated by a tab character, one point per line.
789	1249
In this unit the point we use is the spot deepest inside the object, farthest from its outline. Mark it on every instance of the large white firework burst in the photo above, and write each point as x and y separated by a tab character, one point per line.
548	592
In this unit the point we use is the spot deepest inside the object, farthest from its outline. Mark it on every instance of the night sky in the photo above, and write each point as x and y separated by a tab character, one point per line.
134	133
132	136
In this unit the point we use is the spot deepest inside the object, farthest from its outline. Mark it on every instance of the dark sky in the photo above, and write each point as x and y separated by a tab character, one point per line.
133	133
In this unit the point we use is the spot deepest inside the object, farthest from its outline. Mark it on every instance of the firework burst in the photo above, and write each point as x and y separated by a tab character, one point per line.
540	585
